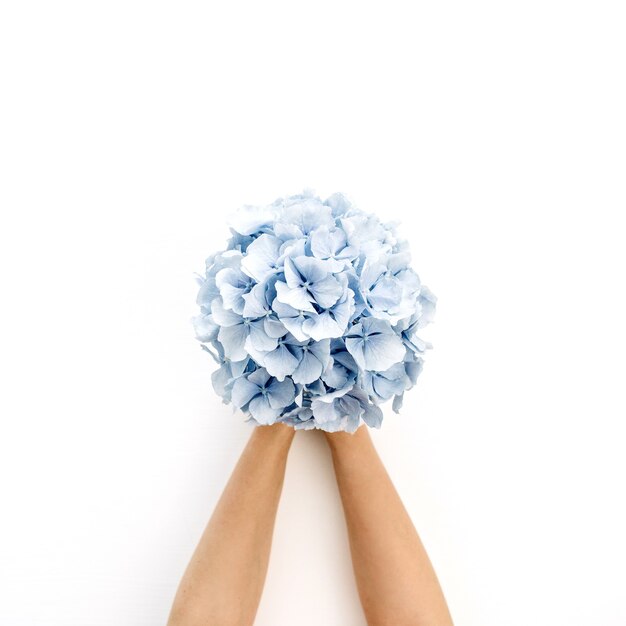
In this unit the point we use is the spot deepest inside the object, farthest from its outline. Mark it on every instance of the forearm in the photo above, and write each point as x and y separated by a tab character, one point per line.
395	578
224	580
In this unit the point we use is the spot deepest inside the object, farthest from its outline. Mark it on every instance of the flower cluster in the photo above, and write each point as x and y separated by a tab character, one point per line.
312	313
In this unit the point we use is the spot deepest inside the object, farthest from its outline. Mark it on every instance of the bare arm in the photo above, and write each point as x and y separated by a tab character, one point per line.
224	580
396	581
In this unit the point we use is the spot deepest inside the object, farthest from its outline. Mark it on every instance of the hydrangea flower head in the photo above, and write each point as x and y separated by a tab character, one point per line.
312	314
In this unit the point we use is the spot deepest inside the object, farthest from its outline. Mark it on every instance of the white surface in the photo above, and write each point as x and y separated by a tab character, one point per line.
495	131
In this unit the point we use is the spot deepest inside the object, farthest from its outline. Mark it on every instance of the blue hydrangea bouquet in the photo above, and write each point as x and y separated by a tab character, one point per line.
312	314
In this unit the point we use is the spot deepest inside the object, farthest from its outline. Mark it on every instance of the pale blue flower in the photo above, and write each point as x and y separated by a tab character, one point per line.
427	303
239	242
367	234
308	282
236	332
314	359
265	327
262	396
345	411
332	246
331	322
312	314
301	418
292	319
339	204
250	220
408	327
233	331
342	370
390	288
206	329
374	344
306	214
262	258
413	367
233	284
208	287
283	360
382	386
225	376
304	361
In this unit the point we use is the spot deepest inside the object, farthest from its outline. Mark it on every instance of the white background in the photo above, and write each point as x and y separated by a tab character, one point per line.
494	130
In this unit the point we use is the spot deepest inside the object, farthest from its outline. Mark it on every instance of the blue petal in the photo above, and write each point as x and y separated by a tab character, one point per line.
207	293
243	391
280	362
322	326
307	214
414	369
331	246
324	411
261	257
250	219
331	323
232	285
384	385
380	352
321	350
233	340
354	346
222	316
258	339
259	377
336	376
372	415
397	403
205	328
308	370
374	344
428	302
338	203
274	327
324	245
255	302
221	379
305	425
349	405
287	232
292	319
341	355
326	291
298	298
292	277
385	294
309	268
261	410
281	393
